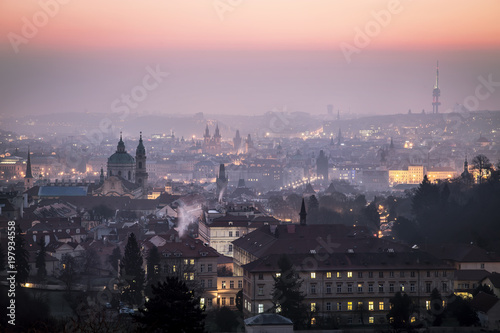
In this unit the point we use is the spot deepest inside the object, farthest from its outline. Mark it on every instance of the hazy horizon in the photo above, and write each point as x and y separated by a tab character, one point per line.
254	58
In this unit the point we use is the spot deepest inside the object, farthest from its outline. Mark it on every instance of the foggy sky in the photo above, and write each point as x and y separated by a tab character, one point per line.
262	56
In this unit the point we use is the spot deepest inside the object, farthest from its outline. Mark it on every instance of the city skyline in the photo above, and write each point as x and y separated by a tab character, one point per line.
248	58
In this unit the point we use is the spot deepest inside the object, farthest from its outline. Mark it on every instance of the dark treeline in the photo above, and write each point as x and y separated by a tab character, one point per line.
459	211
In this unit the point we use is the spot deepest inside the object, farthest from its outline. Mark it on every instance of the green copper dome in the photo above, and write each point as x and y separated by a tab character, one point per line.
121	158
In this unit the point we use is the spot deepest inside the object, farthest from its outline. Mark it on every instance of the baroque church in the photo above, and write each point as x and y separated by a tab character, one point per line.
126	175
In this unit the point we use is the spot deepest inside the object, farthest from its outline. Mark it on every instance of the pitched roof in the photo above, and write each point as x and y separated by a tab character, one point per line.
59	191
460	252
484	302
267	319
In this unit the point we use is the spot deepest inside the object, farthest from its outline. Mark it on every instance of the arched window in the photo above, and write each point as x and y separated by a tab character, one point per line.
120	173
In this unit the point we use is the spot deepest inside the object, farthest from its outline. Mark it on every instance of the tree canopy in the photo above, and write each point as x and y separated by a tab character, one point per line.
172	308
131	270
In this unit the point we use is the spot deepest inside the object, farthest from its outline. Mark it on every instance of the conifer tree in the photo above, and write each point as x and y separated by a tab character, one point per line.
132	272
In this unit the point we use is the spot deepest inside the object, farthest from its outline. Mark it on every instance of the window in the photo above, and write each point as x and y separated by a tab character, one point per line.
202	302
427	305
402	287
349	306
261	308
191	261
391	287
349	321
370	287
223	285
349	274
202	268
230	248
230	234
370	320
237	234
313	288
260	290
231	301
380	274
313	307
349	288
381	305
360	288
436	274
174	268
370	306
328	306
428	273
391	274
412	287
401	274
209	268
482	266
339	275
209	283
278	275
444	273
339	306
328	288
202	282
223	302
380	288
360	274
209	301
339	288
360	306
427	287
313	275
445	286
328	275
370	275
412	274
240	284
231	284
261	276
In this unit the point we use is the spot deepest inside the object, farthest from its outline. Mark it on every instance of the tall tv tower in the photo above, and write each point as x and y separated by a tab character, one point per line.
436	92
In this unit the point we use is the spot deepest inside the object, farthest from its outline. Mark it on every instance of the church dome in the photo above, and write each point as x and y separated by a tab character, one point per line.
121	158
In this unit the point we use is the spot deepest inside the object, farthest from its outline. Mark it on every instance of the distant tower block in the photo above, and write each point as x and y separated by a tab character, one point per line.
436	92
329	107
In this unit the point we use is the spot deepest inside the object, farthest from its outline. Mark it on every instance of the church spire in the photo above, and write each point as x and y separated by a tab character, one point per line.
303	213
28	166
120	148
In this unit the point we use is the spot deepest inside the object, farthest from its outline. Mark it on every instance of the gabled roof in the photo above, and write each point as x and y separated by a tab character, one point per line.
484	302
494	279
267	319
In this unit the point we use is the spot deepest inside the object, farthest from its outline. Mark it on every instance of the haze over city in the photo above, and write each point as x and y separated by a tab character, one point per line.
248	57
249	166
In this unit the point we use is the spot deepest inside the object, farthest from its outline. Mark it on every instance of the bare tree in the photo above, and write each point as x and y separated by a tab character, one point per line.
483	165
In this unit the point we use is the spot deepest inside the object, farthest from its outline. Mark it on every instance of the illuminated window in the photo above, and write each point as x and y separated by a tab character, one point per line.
349	306
339	306
370	306
427	305
313	275
349	274
381	305
202	302
370	320
278	275
360	288
413	319
339	275
328	275
313	307
223	285
402	287
261	308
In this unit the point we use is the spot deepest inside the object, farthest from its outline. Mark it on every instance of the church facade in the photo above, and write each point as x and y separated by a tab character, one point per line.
126	175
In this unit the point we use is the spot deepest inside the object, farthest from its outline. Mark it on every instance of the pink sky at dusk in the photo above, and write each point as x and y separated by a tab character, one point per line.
263	54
